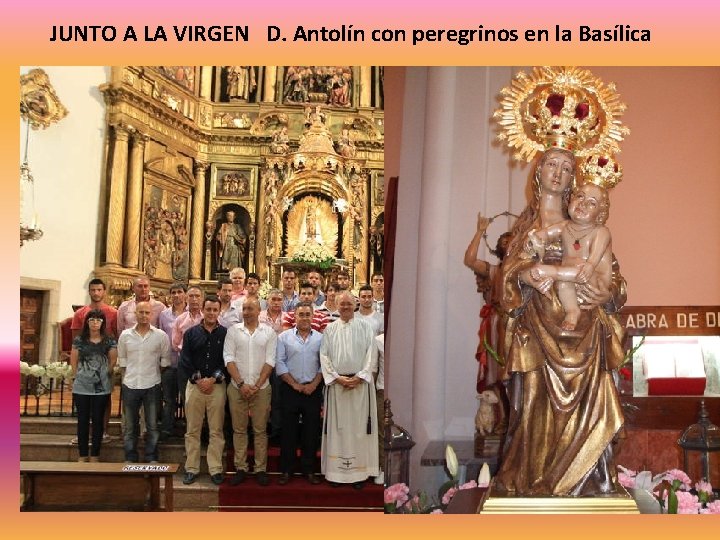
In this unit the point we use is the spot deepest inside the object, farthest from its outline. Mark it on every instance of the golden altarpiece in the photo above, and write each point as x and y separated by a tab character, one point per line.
212	167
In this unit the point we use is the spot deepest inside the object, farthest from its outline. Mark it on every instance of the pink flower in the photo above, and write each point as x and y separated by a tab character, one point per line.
712	508
397	493
687	503
437	511
469	485
704	486
626	480
680	476
449	494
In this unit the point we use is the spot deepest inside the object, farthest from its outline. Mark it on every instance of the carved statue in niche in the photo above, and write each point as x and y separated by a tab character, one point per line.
339	87
240	82
165	242
311	219
280	142
345	144
271	182
377	244
231	244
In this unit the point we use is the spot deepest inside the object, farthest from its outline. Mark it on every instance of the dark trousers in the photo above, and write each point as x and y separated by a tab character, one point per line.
148	399
295	405
90	408
169	383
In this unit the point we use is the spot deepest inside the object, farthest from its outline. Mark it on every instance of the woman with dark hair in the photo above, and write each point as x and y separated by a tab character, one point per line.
92	358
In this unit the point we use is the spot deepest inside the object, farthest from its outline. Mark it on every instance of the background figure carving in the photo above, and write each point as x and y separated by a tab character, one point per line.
231	244
240	82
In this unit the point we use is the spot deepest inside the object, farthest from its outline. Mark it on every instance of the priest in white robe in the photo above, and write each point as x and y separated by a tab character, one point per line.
349	441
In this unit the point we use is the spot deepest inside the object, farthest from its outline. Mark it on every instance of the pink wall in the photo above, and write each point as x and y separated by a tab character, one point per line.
665	215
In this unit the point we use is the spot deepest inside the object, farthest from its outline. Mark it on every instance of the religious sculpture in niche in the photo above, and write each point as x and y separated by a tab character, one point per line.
357	189
377	243
241	82
311	219
380	190
331	85
280	141
183	75
345	144
165	240
231	242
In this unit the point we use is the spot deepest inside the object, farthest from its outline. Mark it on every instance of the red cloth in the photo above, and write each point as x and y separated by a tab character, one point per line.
481	354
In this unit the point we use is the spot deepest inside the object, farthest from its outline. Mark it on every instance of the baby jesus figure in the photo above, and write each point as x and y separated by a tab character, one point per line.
586	247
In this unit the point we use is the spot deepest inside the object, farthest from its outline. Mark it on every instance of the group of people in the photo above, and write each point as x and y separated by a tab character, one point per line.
312	359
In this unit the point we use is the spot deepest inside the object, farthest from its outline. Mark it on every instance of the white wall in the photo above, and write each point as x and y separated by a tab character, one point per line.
66	160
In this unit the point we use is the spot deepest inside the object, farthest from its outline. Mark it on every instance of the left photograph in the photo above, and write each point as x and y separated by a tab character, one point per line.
202	288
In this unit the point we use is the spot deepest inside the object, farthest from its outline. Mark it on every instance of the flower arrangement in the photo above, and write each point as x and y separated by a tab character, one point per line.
673	491
264	289
35	370
59	370
399	501
315	254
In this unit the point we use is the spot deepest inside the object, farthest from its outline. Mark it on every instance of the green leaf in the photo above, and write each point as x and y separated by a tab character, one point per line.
493	352
672	502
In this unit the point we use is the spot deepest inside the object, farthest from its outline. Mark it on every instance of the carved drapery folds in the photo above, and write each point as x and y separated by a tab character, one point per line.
183	153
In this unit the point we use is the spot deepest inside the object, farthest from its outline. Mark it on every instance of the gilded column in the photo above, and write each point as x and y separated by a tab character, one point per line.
269	84
261	262
197	231
365	86
133	210
206	73
118	184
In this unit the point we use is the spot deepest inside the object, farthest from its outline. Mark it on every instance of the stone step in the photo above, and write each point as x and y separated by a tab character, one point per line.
60	425
202	496
53	447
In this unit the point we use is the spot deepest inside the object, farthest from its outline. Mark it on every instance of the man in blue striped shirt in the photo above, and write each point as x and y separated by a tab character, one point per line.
298	367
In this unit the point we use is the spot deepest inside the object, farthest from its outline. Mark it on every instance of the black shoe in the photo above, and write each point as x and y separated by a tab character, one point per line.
313	479
263	479
284	479
358	485
239	478
334	484
189	478
217	478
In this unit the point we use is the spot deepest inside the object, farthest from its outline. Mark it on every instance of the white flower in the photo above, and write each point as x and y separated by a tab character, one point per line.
24	368
37	370
484	476
451	460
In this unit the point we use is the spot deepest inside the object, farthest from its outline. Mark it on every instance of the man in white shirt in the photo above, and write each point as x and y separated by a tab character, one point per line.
249	355
142	351
367	310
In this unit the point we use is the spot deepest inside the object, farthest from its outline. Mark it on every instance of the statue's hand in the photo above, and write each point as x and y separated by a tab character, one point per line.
542	284
586	270
482	222
593	295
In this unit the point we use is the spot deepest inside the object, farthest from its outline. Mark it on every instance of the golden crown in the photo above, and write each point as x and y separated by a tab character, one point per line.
602	171
560	107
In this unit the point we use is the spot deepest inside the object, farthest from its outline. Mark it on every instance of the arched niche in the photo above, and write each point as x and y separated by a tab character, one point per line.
221	258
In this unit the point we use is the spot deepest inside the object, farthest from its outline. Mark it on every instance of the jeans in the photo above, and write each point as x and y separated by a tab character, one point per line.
148	399
169	382
90	408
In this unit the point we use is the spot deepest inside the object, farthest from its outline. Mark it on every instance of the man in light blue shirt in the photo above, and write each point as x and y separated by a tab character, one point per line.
298	367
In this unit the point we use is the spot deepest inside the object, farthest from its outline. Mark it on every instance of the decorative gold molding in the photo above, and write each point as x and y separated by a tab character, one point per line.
39	104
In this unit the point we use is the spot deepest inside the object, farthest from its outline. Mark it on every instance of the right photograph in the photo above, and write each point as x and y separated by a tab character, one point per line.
553	343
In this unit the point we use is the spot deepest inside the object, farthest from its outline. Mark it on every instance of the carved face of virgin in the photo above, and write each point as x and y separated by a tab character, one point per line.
556	171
